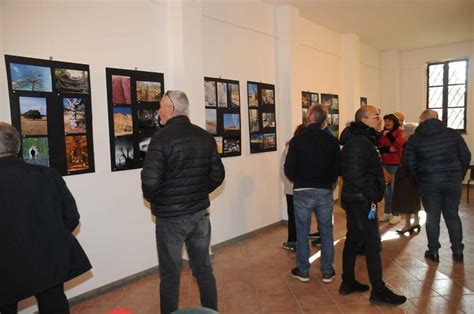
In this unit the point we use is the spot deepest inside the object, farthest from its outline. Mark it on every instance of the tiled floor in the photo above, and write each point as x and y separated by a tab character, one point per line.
253	277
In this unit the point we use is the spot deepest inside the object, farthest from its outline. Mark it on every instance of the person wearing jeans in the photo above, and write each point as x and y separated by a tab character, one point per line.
312	164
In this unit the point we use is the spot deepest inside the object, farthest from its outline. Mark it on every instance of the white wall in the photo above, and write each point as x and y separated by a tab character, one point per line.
370	74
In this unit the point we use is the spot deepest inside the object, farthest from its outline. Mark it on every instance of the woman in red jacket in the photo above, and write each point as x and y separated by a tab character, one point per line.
390	146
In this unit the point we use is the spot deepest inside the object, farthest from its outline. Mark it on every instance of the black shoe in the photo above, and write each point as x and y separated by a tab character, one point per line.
356	286
314	236
458	257
301	275
327	278
290	246
386	297
434	257
316	242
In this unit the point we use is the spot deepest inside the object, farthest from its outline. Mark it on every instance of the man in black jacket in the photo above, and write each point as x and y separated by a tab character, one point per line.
312	164
363	187
438	158
37	217
181	168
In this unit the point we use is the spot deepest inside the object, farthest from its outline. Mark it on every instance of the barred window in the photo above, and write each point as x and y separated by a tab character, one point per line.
447	92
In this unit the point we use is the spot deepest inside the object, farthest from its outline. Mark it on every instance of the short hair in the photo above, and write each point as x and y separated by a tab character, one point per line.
180	102
319	111
9	139
428	114
394	119
360	113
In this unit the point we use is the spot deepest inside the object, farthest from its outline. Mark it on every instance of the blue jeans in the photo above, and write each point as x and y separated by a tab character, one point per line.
442	198
389	190
319	201
171	234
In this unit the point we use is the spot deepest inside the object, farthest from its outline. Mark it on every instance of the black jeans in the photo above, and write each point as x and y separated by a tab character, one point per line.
291	218
51	301
171	234
442	198
362	230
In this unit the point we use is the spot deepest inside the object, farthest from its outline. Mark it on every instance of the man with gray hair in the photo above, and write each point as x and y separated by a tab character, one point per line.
312	164
37	217
181	168
438	158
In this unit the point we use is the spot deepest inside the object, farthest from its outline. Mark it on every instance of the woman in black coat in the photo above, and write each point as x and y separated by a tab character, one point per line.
406	195
37	217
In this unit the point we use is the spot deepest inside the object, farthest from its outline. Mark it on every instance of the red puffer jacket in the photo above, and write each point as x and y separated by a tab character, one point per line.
391	146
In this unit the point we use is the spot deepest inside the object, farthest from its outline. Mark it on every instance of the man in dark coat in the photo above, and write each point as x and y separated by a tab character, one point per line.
363	186
312	164
181	168
37	217
438	158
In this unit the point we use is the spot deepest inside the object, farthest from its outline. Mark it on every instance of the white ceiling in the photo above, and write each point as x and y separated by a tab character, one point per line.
393	24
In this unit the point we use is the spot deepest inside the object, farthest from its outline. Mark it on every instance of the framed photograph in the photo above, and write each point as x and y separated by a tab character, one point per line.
363	101
331	102
305	99
121	90
74	115
71	81
262	117
314	98
35	150
34	119
308	99
133	99
326	100
50	105
30	78
222	107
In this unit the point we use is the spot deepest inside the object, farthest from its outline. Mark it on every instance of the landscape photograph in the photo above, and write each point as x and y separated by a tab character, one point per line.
211	121
234	95
268	96
124	157
123	124
35	150
252	91
34	119
222	94
30	77
121	92
231	122
71	81
210	93
74	115
77	154
148	91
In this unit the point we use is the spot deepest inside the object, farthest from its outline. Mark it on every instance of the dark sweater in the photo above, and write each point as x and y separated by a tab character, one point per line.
313	159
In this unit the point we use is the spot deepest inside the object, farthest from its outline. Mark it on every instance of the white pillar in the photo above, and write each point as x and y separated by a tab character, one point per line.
390	81
350	98
4	99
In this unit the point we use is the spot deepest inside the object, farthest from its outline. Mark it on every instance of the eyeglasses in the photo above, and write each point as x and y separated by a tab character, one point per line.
169	97
377	116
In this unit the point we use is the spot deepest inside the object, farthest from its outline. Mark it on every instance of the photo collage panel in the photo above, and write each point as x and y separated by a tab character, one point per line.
262	117
133	103
50	106
307	100
222	105
331	102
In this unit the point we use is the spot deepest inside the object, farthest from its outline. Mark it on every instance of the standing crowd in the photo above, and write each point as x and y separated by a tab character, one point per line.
399	163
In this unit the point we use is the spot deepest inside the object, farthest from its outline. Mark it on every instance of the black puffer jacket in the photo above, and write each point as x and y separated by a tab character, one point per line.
436	153
361	166
181	168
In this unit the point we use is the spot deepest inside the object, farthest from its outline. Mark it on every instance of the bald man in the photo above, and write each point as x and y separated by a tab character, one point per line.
438	157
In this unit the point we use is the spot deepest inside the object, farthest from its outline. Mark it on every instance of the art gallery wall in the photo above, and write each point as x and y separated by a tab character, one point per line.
370	75
411	67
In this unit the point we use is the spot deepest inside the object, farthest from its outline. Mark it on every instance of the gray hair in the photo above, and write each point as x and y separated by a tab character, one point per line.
180	102
409	128
319	111
428	114
9	140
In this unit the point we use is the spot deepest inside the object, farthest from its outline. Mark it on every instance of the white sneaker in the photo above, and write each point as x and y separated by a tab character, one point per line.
385	217
394	220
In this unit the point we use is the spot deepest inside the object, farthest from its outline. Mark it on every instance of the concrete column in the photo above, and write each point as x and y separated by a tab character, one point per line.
390	81
350	98
184	46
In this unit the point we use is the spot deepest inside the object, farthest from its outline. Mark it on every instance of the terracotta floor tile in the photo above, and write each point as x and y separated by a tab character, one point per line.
328	309
436	305
360	308
351	298
109	298
308	299
447	287
96	309
278	302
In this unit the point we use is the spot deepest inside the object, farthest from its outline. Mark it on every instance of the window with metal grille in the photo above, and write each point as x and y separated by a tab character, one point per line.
447	92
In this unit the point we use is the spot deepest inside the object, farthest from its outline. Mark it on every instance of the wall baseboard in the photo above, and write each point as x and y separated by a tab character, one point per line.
153	270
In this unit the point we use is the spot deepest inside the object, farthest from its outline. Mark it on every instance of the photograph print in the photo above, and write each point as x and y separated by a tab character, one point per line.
234	95
148	118
253	120
231	122
35	150
252	91
219	144
210	93
211	121
335	102
121	90
231	145
123	121
256	142
314	98
222	94
269	141
124	157
268	119
363	101
74	115
72	81
33	116
143	146
305	99
77	154
148	91
268	96
326	100
30	77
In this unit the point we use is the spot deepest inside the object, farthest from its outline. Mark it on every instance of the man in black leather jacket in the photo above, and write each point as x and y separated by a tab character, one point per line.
181	168
363	187
438	158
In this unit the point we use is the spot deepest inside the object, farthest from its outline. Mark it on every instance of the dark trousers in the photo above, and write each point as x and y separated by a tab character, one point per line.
442	198
171	234
51	301
291	218
362	230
